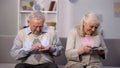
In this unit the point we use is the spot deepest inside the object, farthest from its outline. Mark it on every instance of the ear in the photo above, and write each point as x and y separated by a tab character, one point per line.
84	23
28	21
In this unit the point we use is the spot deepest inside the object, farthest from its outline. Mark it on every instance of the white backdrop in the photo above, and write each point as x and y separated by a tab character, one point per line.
71	13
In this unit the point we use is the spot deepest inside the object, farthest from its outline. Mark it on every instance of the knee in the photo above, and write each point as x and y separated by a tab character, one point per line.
20	65
76	65
53	65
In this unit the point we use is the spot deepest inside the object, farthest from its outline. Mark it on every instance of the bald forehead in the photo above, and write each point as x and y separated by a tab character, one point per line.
36	21
37	15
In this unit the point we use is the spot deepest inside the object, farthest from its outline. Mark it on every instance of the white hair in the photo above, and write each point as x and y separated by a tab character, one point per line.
88	18
37	15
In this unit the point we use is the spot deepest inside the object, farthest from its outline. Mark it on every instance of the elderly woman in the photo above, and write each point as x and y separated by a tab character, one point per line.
85	46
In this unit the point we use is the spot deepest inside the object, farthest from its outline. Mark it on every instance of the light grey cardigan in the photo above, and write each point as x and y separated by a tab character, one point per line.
73	44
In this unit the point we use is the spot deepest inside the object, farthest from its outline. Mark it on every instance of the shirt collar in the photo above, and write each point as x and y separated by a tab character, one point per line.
28	31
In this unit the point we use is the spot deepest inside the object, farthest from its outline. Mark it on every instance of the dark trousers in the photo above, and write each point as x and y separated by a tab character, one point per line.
46	65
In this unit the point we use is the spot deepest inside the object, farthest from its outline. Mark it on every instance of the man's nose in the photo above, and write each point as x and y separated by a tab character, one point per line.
38	29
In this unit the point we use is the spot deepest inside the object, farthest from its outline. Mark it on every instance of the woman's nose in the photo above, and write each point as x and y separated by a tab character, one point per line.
93	29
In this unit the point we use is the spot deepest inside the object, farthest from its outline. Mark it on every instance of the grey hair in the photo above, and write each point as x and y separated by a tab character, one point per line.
89	16
37	15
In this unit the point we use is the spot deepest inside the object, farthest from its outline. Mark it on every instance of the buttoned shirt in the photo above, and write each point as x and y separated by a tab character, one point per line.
22	47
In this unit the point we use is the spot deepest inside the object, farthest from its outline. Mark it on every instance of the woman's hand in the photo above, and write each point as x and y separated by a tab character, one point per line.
84	49
87	49
100	52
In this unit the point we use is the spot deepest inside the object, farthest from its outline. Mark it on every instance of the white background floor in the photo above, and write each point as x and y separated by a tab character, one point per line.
9	65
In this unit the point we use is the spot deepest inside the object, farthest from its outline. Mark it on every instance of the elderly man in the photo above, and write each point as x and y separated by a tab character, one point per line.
35	48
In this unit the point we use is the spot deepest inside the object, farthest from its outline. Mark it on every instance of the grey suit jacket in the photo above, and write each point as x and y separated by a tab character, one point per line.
73	44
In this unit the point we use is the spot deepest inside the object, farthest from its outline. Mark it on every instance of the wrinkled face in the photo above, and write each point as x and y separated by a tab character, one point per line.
90	28
36	25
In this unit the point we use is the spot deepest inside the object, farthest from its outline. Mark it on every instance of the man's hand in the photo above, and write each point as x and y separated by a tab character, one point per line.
36	46
45	48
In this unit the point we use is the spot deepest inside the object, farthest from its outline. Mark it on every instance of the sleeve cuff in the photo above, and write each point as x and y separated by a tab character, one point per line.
22	54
